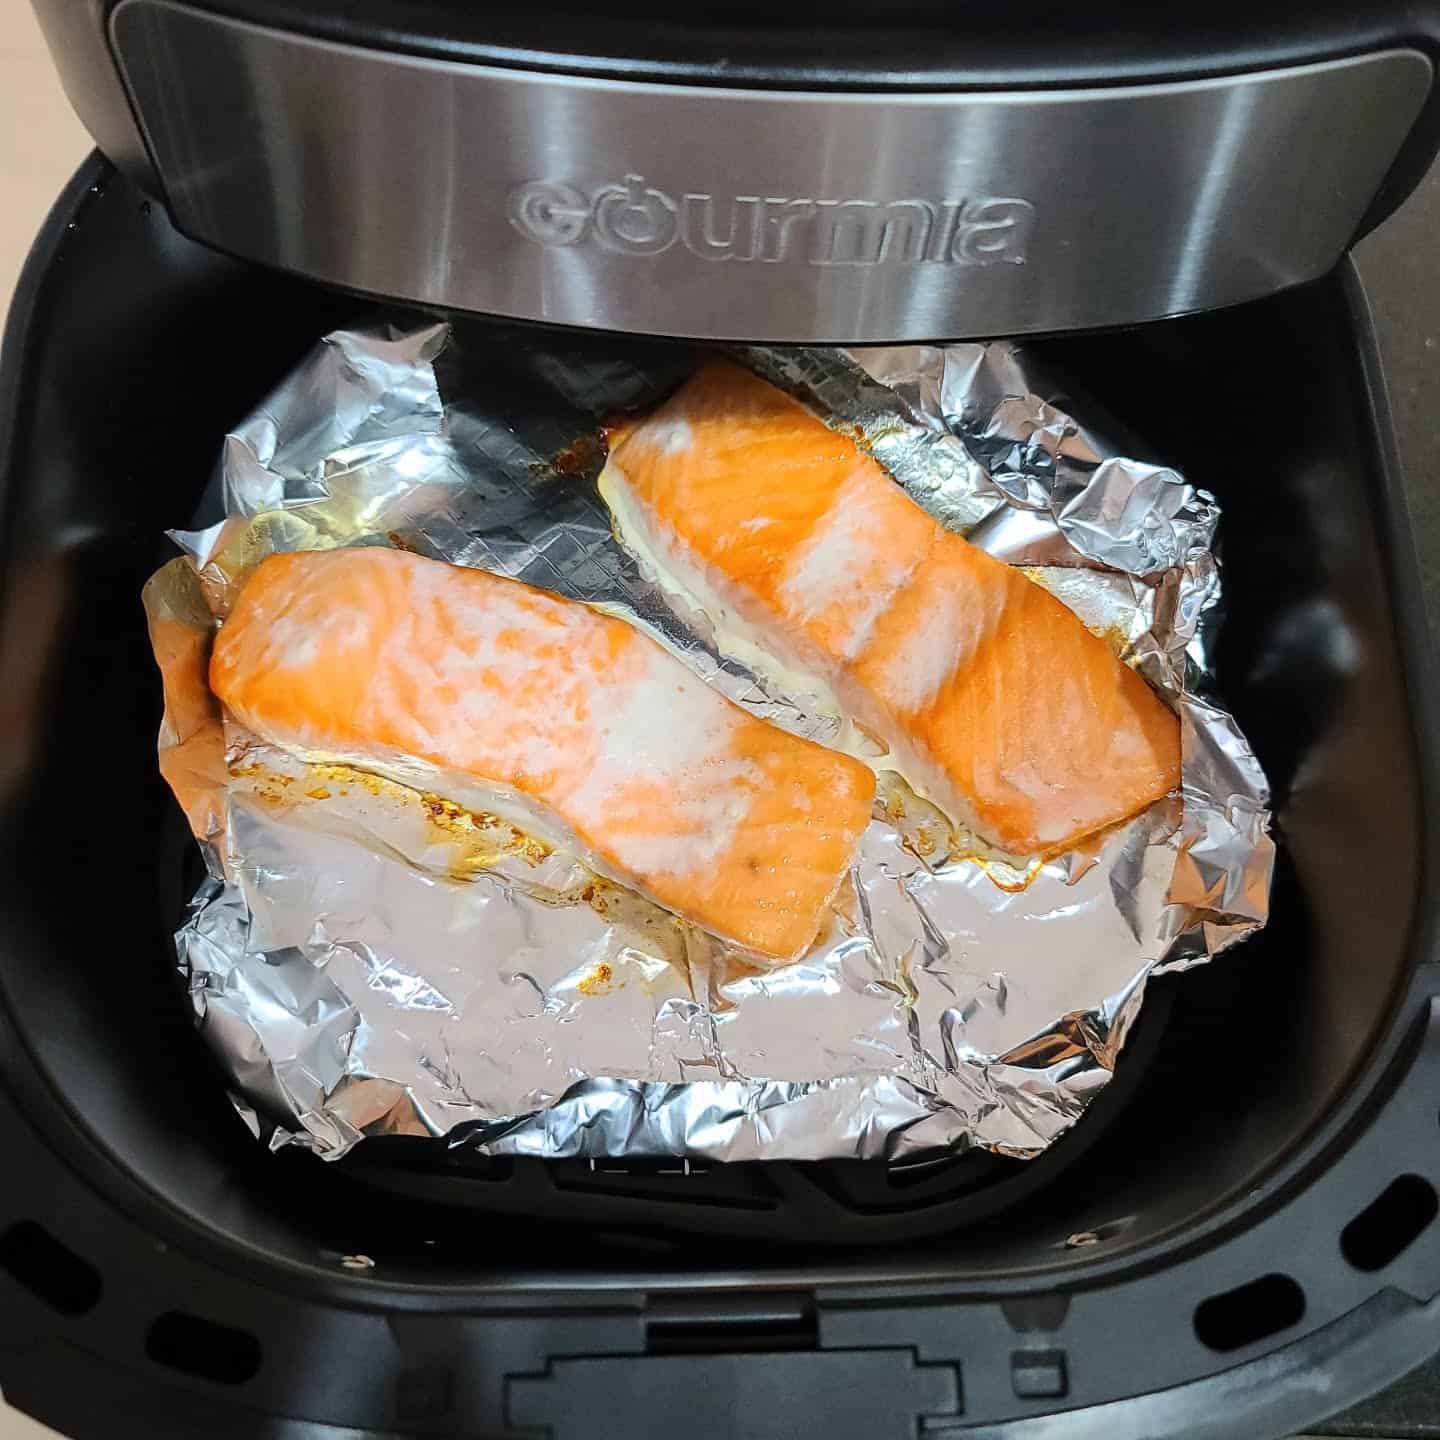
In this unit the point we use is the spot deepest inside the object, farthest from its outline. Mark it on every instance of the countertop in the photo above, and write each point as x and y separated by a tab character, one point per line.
41	143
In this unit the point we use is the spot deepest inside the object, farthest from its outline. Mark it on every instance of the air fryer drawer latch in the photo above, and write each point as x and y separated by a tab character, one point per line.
875	1393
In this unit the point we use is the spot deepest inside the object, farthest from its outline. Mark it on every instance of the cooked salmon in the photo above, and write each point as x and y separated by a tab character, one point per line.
991	698
565	720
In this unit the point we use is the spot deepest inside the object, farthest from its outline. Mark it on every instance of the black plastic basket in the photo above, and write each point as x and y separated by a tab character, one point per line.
1242	1244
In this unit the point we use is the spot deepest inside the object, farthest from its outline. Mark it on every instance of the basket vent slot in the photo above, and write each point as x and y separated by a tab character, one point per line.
31	1256
1249	1313
203	1349
1390	1223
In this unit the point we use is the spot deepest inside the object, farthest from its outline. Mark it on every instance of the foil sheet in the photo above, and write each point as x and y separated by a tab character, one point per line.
365	960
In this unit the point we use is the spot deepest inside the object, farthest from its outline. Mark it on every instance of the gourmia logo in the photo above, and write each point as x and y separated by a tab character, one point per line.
635	218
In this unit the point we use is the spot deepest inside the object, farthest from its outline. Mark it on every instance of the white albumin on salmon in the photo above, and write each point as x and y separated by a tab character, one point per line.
565	720
992	699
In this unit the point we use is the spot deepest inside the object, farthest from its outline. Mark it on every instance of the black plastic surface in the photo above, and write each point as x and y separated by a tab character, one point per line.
879	1393
858	43
915	44
340	1304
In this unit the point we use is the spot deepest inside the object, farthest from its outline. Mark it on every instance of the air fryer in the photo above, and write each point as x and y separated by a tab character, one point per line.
1240	1238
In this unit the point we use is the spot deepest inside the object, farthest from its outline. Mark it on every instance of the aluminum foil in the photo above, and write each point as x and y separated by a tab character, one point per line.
365	960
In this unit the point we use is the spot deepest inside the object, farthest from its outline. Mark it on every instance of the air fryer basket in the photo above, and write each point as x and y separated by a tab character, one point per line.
1252	1218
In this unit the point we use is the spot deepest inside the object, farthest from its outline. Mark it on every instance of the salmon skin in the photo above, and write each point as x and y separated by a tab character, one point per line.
991	698
562	719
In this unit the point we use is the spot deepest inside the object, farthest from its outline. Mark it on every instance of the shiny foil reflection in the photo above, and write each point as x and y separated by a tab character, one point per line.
364	962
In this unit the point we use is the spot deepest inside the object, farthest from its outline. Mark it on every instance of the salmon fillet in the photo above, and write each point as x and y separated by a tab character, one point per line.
566	721
993	699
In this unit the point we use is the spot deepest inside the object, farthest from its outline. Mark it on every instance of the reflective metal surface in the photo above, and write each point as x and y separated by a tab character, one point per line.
367	960
758	214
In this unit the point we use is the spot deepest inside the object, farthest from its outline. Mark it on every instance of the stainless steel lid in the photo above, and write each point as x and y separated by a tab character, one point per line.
760	211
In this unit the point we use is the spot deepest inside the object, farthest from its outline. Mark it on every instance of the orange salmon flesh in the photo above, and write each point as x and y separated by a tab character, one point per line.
468	684
993	699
